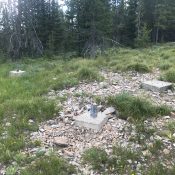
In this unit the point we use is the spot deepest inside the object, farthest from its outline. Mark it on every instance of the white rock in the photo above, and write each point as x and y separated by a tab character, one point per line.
146	153
17	73
166	117
109	110
61	141
166	151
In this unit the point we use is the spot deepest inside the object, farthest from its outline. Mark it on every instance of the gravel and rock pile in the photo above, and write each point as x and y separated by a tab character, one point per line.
71	141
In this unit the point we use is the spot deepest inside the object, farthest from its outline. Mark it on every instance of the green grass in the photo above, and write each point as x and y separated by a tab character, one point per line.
49	165
135	107
165	66
96	157
159	169
89	74
138	67
170	75
23	98
117	162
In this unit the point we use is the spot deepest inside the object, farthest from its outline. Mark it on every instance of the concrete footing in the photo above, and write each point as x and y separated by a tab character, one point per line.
156	85
17	73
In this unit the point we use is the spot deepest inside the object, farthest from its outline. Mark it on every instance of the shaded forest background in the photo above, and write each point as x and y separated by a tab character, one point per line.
38	27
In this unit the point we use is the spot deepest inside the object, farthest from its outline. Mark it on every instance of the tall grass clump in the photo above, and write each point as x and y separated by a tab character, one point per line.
96	157
170	76
138	67
88	74
135	107
165	66
49	165
116	163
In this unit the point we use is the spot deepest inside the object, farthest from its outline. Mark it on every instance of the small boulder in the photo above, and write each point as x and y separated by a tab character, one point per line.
109	110
166	151
61	141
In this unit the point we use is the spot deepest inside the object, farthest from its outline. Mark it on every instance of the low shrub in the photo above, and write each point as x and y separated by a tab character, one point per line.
138	67
96	157
85	73
135	107
165	66
49	165
170	76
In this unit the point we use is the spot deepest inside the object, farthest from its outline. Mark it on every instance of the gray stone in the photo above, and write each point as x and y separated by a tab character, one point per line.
156	85
61	141
17	73
166	151
85	120
109	110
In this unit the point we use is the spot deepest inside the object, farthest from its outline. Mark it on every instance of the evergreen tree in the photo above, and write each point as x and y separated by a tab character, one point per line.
131	25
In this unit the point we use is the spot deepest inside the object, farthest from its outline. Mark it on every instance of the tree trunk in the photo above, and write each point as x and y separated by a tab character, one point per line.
157	35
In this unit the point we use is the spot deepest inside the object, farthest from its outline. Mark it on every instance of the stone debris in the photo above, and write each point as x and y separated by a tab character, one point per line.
109	111
74	138
60	141
17	73
155	85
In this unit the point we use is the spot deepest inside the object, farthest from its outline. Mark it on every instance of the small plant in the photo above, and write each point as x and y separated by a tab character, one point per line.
157	146
85	73
171	126
135	107
170	76
138	67
159	169
118	162
12	170
96	157
20	157
165	66
164	56
49	165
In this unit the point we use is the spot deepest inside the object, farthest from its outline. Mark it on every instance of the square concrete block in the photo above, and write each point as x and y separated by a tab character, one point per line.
85	120
17	73
156	85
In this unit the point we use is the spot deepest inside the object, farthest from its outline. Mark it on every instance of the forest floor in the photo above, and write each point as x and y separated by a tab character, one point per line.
38	133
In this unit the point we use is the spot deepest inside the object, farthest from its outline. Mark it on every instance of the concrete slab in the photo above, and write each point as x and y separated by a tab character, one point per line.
17	73
86	120
156	85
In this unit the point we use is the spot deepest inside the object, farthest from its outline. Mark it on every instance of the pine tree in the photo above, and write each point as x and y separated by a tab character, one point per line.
131	25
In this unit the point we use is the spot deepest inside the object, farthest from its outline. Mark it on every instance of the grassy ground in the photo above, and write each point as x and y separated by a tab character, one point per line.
22	99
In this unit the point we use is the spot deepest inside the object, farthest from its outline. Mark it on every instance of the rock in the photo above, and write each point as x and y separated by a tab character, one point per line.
166	151
166	117
51	93
157	137
109	110
17	73
172	114
146	153
41	130
103	85
61	141
8	124
31	121
129	161
68	153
